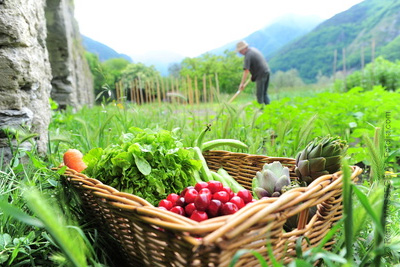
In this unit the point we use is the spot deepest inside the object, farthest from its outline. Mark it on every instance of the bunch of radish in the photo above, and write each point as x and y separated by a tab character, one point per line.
206	200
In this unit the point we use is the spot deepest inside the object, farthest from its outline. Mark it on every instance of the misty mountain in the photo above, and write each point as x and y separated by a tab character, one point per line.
276	34
371	27
103	51
161	60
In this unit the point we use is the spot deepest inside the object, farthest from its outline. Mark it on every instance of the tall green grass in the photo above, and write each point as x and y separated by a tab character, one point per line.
368	234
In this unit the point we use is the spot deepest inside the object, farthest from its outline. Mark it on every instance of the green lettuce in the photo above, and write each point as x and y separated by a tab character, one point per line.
150	164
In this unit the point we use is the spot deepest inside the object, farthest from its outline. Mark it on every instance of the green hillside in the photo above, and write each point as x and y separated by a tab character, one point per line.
275	35
103	51
354	30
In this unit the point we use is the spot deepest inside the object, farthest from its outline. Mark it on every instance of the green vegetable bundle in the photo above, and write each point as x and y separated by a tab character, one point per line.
150	164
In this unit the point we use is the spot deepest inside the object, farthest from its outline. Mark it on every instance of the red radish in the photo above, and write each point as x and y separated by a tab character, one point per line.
199	216
221	196
214	208
191	195
229	208
166	204
173	198
186	189
189	208
237	201
178	210
229	191
180	202
215	186
73	160
245	195
202	201
200	185
207	192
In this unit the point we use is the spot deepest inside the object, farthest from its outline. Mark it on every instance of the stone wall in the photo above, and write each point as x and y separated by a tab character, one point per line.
25	73
39	61
72	84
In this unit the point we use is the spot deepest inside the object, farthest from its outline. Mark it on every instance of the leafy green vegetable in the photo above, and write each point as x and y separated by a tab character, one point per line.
150	164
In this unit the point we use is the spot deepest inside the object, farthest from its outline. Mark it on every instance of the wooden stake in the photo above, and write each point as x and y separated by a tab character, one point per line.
186	86
163	89
204	89
184	90
158	92
178	89
149	96
211	89
172	89
132	90
153	91
196	91
137	92
190	89
217	85
141	92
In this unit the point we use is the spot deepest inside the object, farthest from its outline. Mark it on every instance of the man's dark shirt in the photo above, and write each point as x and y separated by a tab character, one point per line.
255	62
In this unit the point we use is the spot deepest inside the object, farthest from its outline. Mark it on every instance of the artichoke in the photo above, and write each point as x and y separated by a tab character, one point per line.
321	156
270	180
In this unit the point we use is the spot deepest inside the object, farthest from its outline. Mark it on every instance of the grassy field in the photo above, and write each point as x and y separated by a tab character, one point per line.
39	215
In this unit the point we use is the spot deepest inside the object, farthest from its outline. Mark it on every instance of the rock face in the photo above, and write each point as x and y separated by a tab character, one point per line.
27	68
25	73
72	84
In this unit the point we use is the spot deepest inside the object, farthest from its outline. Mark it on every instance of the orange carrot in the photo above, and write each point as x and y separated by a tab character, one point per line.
73	160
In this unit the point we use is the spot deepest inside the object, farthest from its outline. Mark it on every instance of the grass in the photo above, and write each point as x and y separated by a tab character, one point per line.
35	231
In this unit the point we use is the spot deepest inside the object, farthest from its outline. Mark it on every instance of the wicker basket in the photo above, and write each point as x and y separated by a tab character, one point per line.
149	236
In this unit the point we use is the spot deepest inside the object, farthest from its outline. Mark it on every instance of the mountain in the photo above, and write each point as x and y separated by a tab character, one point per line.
275	35
104	52
370	27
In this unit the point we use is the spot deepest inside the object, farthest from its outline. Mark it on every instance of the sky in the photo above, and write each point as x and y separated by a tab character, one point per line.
186	27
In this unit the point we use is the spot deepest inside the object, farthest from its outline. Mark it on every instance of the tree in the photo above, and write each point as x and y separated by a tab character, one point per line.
99	74
113	69
228	67
140	72
106	74
288	79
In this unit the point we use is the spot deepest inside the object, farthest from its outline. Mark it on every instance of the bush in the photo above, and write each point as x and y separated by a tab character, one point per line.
381	72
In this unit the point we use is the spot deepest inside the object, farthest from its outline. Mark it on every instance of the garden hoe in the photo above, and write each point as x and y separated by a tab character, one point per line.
237	93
